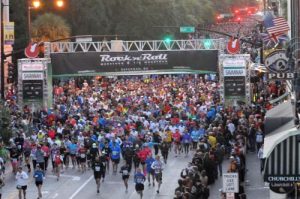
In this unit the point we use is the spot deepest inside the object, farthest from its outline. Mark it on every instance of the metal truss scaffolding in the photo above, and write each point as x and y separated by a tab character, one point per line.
151	45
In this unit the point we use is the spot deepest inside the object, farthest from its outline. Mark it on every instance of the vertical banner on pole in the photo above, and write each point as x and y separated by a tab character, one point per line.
235	79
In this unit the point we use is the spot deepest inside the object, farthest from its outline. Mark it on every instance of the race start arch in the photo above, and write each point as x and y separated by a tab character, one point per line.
119	57
108	58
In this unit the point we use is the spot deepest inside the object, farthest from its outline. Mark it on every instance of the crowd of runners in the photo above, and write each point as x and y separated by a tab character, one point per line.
129	125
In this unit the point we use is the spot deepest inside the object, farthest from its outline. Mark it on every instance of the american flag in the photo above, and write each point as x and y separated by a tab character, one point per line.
275	25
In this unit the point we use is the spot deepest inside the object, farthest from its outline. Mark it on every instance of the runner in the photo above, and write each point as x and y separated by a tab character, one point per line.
57	164
115	156
143	154
139	180
27	152
21	178
39	175
99	171
186	140
106	151
14	155
72	147
40	160
177	142
82	157
136	159
125	175
164	148
158	166
150	171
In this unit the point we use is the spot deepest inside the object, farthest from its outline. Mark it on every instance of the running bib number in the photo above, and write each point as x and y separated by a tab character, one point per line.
114	153
157	171
97	168
82	155
139	180
125	172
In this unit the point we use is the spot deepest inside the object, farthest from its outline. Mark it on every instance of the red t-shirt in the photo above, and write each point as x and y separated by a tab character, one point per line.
51	134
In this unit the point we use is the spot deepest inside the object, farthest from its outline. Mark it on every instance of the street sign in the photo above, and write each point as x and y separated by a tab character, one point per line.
187	29
9	33
230	182
233	46
32	50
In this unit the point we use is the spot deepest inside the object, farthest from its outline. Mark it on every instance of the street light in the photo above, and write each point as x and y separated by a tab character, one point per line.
35	4
31	4
59	3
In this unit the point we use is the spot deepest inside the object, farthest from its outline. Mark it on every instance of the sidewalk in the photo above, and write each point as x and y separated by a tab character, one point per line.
255	187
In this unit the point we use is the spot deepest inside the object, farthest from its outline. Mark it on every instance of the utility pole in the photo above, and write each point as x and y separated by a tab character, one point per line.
2	51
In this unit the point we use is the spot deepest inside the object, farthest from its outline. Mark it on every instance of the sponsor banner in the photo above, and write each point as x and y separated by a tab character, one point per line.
234	62
32	76
234	87
32	66
32	90
133	62
234	72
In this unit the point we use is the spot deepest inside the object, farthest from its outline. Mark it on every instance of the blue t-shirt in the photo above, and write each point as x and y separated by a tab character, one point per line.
115	152
139	178
149	162
73	148
38	175
195	135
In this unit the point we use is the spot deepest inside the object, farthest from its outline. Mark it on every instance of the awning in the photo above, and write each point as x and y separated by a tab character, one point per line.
271	140
282	153
278	116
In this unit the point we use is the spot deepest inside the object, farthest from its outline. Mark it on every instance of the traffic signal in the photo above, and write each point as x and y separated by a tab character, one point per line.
168	39
10	73
207	42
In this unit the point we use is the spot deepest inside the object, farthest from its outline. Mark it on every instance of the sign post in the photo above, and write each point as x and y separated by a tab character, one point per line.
187	29
230	183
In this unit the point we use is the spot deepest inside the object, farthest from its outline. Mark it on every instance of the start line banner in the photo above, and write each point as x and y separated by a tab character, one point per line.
134	62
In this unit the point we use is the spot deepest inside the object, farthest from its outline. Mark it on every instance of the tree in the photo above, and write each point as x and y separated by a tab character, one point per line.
135	19
5	124
49	27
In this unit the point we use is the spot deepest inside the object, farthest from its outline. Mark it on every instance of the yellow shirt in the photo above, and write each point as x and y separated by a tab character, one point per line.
168	136
212	141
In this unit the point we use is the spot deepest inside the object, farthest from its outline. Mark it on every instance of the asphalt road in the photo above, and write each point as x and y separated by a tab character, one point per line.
75	185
